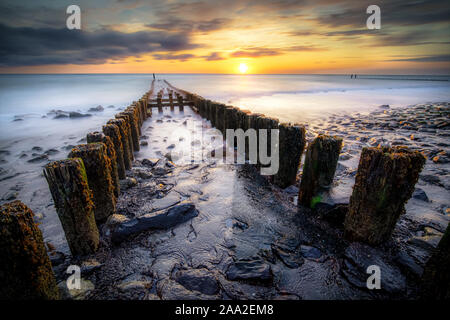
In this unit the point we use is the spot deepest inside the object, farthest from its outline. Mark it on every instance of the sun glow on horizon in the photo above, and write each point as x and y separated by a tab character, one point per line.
243	68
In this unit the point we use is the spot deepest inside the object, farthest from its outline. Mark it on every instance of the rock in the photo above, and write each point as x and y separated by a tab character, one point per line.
431	179
334	214
405	260
36	148
74	114
149	162
51	152
134	285
384	106
200	280
358	257
254	270
144	143
291	258
127	183
171	146
86	287
163	219
89	266
428	242
40	158
56	258
142	173
116	219
11	195
420	195
96	109
310	252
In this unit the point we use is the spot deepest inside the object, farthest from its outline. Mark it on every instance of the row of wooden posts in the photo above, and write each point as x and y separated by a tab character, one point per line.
85	188
385	178
160	103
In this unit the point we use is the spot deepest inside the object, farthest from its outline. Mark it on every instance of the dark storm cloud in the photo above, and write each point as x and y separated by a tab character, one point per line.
393	13
434	58
36	46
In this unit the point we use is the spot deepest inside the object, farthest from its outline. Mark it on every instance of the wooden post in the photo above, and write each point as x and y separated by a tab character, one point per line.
68	184
180	102
111	152
220	112
320	165
159	102
384	182
127	153
98	169
292	142
25	269
129	116
113	132
436	277
171	101
129	134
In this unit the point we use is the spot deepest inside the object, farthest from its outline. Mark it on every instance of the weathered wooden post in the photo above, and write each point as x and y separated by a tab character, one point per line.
319	168
180	102
25	269
111	152
159	101
129	134
68	184
98	170
172	108
436	277
129	117
220	111
384	182
113	132
291	145
127	153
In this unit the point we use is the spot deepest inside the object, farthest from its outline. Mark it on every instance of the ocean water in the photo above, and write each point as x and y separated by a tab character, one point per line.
28	128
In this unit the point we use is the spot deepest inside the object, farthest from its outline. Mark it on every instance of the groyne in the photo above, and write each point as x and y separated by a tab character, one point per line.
85	187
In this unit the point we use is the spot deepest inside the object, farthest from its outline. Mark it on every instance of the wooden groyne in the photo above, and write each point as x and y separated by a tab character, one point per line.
85	186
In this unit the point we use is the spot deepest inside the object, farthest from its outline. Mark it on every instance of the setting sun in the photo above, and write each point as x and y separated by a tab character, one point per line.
243	68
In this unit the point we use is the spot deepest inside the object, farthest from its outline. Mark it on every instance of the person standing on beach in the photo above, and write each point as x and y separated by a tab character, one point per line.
153	76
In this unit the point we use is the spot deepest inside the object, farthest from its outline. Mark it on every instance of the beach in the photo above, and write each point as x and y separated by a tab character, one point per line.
242	221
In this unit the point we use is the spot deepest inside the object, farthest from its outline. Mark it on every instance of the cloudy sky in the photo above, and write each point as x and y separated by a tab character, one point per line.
216	36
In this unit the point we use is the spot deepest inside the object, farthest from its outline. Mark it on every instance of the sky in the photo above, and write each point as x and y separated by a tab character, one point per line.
219	36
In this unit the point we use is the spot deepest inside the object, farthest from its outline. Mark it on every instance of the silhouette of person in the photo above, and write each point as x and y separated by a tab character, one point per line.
351	76
153	76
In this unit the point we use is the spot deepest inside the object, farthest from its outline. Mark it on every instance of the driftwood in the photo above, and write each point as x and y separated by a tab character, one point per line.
98	170
384	182
74	204
25	269
320	166
111	152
